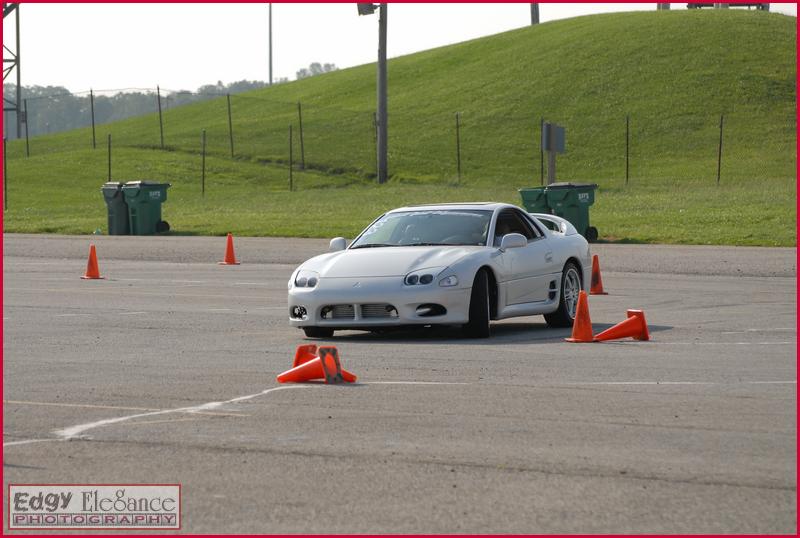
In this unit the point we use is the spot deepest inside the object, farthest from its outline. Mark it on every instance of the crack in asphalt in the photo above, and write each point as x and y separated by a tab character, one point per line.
574	473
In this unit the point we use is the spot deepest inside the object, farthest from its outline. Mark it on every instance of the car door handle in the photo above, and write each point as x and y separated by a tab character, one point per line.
548	256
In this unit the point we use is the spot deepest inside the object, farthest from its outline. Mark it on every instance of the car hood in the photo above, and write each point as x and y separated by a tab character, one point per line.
385	261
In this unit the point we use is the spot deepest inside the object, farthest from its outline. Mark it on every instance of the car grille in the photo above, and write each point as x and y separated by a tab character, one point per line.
343	311
378	310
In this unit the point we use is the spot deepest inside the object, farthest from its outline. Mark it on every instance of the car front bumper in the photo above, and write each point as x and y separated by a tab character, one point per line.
367	298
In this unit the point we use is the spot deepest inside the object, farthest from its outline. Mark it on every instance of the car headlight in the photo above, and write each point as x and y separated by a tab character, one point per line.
422	277
306	279
449	281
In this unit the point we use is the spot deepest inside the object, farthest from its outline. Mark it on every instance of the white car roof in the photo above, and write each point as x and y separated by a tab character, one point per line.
490	206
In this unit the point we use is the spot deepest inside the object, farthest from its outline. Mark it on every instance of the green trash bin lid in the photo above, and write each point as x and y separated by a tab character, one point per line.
135	184
111	190
567	185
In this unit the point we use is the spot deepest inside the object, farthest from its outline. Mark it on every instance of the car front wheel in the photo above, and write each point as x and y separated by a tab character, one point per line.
478	324
571	285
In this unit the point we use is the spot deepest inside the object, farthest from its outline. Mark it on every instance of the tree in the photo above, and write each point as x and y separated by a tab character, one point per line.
315	68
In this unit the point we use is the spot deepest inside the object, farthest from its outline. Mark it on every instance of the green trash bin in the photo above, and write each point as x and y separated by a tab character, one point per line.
117	209
534	199
144	199
572	201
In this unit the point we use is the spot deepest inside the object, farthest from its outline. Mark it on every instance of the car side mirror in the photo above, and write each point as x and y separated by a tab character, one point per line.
513	241
337	244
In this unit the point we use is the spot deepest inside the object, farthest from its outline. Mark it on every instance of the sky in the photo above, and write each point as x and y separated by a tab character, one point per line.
184	46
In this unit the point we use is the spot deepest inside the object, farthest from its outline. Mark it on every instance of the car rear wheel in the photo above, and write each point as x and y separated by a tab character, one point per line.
478	324
571	285
318	332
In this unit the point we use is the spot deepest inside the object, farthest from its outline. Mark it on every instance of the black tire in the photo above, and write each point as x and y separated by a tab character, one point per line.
479	316
162	226
591	234
564	316
318	332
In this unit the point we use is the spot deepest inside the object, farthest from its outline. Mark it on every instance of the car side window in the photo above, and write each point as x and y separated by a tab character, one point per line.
537	233
508	222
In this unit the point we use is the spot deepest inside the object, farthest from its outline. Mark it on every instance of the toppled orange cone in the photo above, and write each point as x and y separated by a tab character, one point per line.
92	269
312	363
582	326
597	280
304	354
634	327
230	257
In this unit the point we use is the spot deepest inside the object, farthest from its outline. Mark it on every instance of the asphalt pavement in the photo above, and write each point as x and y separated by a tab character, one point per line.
164	372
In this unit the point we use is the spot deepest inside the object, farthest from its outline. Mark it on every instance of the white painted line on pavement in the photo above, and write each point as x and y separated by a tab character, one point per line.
72	315
164	421
131	313
28	441
159	281
87	406
127	292
75	431
118	408
415	383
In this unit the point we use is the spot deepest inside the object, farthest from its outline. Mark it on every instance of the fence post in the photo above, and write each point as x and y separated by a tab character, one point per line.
719	152
5	176
302	144
91	102
291	158
627	146
458	145
230	123
160	116
109	157
541	151
203	167
27	141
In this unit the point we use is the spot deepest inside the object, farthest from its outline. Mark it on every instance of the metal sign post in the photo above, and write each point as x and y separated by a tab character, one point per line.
553	142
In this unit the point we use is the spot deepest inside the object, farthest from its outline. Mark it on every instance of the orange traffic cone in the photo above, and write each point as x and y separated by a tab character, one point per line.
303	354
325	366
92	269
597	280
582	327
230	258
635	327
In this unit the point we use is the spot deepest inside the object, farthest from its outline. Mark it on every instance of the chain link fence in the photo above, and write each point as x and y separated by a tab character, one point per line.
454	147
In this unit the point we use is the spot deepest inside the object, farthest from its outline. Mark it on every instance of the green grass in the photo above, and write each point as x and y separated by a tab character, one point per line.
673	72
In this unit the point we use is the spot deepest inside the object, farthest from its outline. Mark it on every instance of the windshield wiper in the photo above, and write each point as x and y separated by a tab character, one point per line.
372	245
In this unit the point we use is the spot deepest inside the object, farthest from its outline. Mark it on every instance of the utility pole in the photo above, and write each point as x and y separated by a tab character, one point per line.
383	110
534	14
270	44
381	118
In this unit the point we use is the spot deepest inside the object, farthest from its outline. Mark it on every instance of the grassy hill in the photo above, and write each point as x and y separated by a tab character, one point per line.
673	73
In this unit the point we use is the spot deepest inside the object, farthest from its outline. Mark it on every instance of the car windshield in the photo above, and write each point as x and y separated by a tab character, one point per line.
427	227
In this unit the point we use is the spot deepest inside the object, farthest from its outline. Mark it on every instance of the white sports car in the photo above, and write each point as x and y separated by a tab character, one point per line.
446	264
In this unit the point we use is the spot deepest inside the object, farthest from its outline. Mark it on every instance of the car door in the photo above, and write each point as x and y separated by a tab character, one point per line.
529	268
